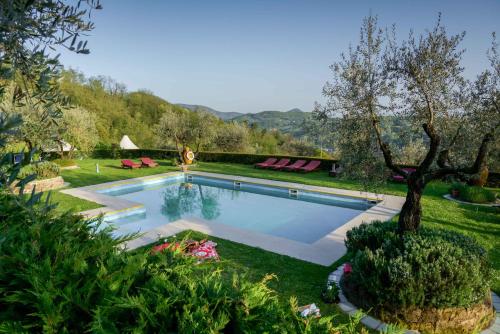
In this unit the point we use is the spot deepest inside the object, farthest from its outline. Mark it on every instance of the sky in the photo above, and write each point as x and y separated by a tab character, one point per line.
249	56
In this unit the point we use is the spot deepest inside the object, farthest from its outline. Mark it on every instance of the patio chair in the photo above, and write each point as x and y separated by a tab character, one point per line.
400	178
267	163
280	164
311	166
130	164
148	162
296	165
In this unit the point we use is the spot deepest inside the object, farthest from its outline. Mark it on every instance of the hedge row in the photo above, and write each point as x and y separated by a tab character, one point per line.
242	158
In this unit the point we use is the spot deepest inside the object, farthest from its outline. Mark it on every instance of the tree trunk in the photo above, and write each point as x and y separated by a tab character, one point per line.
411	213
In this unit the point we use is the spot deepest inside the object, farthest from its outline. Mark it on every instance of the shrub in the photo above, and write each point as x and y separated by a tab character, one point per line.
43	170
64	162
433	268
60	273
331	293
474	194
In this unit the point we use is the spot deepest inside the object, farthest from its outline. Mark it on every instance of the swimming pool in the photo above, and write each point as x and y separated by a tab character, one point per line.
299	215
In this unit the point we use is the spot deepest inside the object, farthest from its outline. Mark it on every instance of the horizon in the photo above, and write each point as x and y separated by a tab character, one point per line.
214	54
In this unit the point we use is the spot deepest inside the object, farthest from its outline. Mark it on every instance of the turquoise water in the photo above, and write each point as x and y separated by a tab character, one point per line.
304	217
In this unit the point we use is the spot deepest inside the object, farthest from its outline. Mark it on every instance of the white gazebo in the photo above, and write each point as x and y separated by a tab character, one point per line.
127	144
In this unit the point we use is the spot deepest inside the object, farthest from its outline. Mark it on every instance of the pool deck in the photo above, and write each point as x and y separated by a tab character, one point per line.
325	251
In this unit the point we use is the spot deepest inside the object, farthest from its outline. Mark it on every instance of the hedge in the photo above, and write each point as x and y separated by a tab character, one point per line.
230	157
242	158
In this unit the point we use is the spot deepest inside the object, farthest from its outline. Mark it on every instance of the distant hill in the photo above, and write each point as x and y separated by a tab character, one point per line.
290	121
222	115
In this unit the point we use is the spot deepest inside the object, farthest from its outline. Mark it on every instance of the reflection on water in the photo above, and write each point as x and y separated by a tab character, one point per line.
270	210
187	199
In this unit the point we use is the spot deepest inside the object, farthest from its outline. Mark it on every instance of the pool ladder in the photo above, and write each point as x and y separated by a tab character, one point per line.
237	185
293	193
189	178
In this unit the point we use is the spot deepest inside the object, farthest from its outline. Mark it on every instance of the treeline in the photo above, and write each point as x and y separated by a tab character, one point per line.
118	112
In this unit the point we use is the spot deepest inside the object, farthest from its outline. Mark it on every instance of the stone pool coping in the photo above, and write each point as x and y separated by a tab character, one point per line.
376	324
491	205
324	251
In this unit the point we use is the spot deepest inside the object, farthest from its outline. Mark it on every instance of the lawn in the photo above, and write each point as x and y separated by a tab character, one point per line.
297	277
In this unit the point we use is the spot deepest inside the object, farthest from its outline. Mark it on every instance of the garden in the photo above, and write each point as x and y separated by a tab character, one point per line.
434	267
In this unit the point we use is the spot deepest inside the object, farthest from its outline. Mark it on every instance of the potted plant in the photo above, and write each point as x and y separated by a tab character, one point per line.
455	190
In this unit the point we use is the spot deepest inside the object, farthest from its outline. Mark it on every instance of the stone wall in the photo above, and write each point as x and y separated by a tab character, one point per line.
42	185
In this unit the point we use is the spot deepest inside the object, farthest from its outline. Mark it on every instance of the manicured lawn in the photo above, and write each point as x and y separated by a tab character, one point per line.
296	277
293	277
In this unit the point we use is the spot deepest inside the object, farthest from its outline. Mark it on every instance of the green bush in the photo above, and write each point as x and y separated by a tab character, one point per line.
474	194
62	274
43	170
432	268
64	162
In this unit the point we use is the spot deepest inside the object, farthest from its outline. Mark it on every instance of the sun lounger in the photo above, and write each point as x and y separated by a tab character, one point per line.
401	178
280	164
267	163
312	165
147	162
130	164
296	165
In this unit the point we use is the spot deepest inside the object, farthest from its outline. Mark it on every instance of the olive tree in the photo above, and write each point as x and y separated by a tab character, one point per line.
78	128
29	30
419	80
186	128
233	137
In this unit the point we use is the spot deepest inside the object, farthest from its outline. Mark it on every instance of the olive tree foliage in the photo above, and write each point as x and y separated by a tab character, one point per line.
37	130
233	137
78	129
186	129
419	80
30	33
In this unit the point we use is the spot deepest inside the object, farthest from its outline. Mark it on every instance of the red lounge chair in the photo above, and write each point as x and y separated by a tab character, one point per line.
296	165
280	164
130	164
312	165
267	163
147	162
401	178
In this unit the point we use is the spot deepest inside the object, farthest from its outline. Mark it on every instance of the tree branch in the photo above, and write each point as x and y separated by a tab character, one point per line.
479	162
386	151
433	147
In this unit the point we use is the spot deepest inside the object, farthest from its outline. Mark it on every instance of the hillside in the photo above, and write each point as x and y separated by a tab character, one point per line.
287	122
117	114
222	115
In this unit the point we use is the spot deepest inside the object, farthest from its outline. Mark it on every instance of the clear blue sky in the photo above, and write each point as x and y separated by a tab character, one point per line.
249	56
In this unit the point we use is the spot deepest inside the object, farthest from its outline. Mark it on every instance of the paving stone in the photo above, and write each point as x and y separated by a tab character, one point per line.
371	322
346	307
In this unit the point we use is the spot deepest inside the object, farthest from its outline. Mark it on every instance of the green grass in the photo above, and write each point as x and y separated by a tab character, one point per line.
297	277
293	277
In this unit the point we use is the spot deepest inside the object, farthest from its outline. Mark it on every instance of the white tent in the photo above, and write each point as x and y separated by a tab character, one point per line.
127	144
66	147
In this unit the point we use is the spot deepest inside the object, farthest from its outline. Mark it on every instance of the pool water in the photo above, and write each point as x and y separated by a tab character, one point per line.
302	216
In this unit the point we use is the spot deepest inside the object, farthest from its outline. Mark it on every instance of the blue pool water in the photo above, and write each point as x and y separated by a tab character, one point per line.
304	217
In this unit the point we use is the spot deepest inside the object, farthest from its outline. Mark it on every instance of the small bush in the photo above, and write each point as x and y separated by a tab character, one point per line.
43	170
331	293
432	268
65	162
474	194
